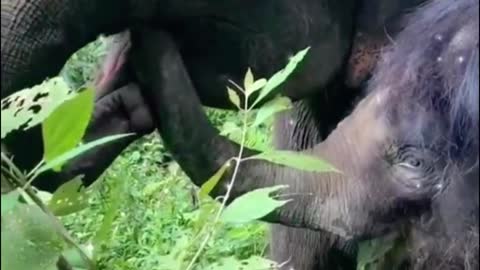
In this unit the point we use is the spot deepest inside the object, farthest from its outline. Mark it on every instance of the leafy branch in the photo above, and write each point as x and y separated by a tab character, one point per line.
237	211
64	116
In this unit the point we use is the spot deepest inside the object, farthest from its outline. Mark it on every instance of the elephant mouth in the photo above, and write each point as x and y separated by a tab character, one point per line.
113	66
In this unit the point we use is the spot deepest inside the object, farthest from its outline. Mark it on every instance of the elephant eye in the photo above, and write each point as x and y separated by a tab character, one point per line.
412	163
410	157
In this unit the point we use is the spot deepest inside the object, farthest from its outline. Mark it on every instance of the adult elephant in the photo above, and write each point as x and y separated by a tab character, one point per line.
218	41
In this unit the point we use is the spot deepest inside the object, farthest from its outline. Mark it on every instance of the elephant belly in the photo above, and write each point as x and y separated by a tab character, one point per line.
218	48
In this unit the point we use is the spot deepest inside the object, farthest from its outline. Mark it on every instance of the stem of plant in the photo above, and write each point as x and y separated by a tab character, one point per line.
238	160
33	174
19	182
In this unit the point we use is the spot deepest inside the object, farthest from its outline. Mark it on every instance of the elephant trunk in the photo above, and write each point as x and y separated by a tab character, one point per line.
334	202
39	36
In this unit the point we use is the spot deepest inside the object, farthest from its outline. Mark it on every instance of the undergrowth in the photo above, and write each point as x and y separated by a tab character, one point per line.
157	200
155	212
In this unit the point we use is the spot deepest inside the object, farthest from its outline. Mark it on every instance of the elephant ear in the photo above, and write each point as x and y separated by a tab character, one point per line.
29	107
365	54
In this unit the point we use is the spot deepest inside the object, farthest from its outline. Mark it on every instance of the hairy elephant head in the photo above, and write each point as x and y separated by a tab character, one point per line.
408	152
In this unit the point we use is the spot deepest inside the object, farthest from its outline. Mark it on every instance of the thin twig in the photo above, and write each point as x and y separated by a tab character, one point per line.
32	175
19	182
230	186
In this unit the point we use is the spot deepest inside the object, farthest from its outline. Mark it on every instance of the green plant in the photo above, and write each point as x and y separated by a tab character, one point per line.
40	238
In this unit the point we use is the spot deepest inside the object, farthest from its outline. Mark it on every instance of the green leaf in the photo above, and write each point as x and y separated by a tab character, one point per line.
257	85
252	205
234	98
9	201
29	107
29	239
271	108
279	77
69	198
228	128
205	214
64	128
252	263
208	186
371	253
296	160
248	80
77	151
74	258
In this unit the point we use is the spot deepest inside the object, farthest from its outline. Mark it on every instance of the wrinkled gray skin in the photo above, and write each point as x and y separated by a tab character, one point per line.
408	151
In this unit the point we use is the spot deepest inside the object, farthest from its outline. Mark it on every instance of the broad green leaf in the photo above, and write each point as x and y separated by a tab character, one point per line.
372	253
296	160
208	186
228	128
252	205
29	239
69	198
271	108
29	107
257	85
64	128
234	98
9	201
77	151
279	77
248	80
252	263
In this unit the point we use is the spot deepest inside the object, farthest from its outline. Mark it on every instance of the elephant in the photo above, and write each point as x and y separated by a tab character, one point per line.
414	172
232	41
298	138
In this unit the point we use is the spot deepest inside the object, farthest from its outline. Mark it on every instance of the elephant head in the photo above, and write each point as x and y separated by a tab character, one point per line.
408	152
